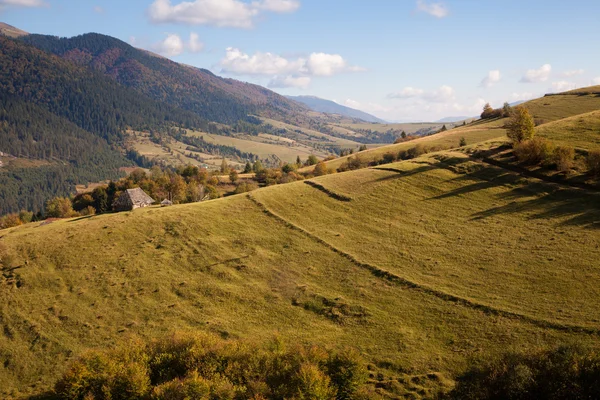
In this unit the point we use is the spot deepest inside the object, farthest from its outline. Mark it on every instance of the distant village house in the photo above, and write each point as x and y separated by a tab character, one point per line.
131	199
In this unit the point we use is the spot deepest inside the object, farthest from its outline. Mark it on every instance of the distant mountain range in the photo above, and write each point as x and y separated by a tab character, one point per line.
331	107
452	119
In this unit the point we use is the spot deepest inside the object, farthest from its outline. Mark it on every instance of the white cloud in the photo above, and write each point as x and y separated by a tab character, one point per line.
491	79
99	10
596	81
173	45
406	93
521	96
170	47
195	45
322	64
238	63
562	86
279	82
220	13
438	10
537	75
573	72
278	6
444	94
22	3
284	72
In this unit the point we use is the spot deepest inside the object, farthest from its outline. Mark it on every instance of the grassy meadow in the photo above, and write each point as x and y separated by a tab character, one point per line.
493	261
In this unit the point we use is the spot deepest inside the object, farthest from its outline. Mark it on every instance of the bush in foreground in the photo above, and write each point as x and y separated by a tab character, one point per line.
565	373
204	366
534	151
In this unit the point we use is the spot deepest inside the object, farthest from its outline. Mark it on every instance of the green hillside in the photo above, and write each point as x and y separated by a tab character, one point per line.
570	117
422	266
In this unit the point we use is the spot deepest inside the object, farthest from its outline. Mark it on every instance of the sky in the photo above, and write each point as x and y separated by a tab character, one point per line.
401	60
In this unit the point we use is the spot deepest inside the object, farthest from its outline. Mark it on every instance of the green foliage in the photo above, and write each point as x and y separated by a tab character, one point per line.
248	168
565	373
507	110
245	186
521	126
233	176
312	160
257	167
362	147
203	366
462	142
59	207
287	168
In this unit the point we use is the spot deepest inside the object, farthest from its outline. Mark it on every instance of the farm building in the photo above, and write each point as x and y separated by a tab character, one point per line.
132	199
166	203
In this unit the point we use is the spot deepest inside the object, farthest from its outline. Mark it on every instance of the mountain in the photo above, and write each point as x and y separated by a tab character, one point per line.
452	119
63	124
331	107
11	31
189	88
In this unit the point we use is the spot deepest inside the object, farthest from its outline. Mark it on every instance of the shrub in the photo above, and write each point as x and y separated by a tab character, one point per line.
534	151
593	162
389	158
287	168
462	142
10	221
564	373
204	366
320	169
59	207
25	216
564	157
352	163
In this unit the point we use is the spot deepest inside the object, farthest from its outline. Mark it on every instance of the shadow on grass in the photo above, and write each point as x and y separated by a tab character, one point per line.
580	208
44	396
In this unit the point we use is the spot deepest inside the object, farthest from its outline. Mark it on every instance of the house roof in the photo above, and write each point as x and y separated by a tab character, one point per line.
138	196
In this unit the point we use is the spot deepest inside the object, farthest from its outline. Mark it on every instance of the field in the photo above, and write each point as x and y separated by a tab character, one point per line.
409	128
265	146
438	259
580	131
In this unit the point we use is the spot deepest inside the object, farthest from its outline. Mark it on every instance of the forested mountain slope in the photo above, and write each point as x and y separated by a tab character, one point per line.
194	89
71	118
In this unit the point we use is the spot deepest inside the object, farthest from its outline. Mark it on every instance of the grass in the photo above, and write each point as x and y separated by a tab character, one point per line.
284	149
555	107
580	131
285	264
473	133
409	128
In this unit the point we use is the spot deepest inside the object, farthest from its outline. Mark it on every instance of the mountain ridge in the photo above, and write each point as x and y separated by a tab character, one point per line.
331	107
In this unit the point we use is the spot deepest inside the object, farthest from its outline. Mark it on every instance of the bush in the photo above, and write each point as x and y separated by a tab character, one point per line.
593	162
534	151
204	366
245	186
320	169
563	158
10	221
25	216
351	164
564	373
462	142
389	158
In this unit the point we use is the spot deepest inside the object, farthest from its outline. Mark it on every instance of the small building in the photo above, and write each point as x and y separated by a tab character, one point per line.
132	199
166	203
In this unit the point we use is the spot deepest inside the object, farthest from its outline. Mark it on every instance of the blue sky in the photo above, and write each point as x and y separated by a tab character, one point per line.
397	59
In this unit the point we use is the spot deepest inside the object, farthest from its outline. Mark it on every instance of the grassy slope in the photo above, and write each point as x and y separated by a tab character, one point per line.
230	267
547	109
285	151
582	131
